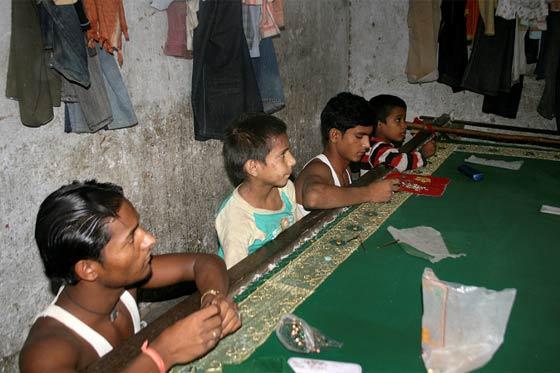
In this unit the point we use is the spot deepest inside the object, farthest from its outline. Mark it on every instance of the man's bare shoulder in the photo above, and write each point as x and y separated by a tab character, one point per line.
315	168
50	347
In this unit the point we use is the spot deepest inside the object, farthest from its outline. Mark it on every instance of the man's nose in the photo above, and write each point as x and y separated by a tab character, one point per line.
148	241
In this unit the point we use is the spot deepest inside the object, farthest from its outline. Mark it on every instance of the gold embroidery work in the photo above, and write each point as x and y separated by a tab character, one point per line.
282	293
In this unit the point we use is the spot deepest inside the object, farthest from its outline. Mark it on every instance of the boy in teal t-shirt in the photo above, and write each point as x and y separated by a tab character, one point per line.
258	160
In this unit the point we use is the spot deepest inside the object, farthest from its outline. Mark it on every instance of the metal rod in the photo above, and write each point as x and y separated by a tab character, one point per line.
497	126
543	141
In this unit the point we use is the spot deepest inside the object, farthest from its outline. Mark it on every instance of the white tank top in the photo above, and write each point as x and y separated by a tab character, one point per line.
96	340
323	158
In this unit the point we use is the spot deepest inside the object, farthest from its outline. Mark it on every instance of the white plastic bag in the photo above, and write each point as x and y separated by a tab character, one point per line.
462	326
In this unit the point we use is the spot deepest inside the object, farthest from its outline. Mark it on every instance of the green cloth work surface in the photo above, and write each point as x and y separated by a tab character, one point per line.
260	365
372	302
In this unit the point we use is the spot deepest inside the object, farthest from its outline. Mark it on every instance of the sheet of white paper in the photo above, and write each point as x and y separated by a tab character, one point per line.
302	365
510	165
550	209
425	239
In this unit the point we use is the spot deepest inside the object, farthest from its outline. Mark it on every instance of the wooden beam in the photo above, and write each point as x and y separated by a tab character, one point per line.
502	137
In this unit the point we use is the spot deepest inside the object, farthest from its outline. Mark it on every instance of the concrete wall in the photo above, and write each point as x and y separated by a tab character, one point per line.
379	47
174	181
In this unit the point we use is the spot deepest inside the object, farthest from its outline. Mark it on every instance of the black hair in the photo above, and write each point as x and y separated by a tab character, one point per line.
381	105
249	137
343	112
72	226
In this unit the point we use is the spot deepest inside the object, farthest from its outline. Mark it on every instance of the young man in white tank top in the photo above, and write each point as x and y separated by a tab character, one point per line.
346	125
90	239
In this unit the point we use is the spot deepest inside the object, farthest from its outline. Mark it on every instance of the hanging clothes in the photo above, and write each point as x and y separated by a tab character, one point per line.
271	18
192	21
531	48
268	78
423	24
92	102
223	80
527	11
176	43
263	57
161	4
487	10
490	65
472	13
108	25
504	104
121	112
519	64
251	28
549	105
453	55
63	37
30	81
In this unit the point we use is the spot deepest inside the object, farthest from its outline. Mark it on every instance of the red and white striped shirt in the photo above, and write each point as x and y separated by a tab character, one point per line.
382	152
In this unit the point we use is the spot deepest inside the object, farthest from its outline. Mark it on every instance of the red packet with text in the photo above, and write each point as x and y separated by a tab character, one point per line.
421	184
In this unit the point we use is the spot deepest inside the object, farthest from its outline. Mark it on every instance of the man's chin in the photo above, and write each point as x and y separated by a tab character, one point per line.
145	278
283	183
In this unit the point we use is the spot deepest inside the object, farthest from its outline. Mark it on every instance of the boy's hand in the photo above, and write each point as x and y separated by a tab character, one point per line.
228	312
190	337
428	149
382	191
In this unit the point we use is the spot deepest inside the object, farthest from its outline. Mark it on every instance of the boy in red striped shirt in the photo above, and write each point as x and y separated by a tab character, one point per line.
390	116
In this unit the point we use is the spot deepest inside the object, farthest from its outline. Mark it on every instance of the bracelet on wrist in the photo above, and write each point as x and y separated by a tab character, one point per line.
154	355
207	293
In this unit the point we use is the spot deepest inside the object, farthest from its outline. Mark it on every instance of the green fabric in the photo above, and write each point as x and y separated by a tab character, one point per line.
372	302
260	365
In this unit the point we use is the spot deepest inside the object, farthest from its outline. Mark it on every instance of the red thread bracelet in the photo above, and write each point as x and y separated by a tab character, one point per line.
154	355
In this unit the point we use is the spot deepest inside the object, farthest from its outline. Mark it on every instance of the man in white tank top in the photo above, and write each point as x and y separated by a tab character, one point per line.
346	125
90	239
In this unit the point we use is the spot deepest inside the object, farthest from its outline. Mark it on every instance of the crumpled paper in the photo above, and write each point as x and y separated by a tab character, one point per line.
425	239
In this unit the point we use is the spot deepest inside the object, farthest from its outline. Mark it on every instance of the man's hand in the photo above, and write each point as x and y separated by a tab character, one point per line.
382	191
428	149
190	337
228	312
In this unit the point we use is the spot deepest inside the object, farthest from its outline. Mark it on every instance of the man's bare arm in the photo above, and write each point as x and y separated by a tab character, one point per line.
207	270
210	275
318	191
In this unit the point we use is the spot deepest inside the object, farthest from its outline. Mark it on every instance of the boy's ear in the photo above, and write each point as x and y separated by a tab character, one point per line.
334	135
251	167
86	269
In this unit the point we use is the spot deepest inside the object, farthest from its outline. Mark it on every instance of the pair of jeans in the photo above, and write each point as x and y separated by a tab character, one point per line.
92	112
63	37
91	102
29	81
223	80
268	77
